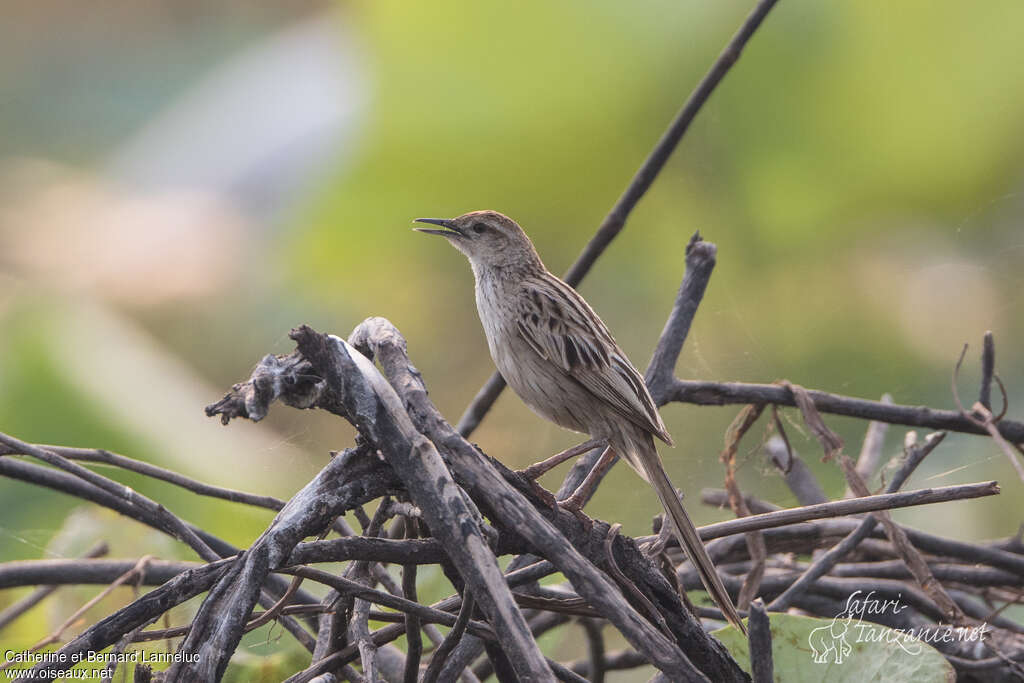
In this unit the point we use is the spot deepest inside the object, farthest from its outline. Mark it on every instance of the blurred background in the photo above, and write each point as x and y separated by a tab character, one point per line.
183	182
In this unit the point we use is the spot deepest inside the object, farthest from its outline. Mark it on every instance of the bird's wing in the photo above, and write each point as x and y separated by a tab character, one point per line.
560	326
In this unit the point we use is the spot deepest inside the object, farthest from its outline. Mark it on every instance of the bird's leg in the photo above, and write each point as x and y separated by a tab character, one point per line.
544	466
658	545
581	495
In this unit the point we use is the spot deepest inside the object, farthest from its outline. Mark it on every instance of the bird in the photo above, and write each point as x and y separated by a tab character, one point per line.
559	357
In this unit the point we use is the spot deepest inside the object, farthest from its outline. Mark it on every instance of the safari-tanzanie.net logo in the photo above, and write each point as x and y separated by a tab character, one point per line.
834	643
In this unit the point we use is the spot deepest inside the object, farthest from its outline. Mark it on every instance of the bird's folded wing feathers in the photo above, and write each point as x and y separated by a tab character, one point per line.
560	326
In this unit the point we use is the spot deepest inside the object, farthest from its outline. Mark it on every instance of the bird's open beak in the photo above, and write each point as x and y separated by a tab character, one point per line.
448	223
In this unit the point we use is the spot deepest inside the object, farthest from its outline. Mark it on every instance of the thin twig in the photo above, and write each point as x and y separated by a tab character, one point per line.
755	540
436	614
152	604
277	608
800	537
99	455
414	639
988	368
848	506
451	640
256	622
618	660
359	572
628	586
115	652
171	522
595	649
987	421
733	393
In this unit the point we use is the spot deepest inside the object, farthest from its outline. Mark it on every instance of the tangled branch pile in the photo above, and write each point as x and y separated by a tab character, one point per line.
443	501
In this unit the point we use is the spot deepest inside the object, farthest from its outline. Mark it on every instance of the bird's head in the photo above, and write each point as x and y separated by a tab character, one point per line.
489	239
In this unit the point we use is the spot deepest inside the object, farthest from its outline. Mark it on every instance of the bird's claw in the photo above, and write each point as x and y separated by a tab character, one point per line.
656	547
533	472
574	504
543	494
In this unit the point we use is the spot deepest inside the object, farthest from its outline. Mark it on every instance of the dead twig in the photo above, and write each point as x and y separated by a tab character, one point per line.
99	455
755	541
735	393
451	640
988	369
760	639
848	506
987	421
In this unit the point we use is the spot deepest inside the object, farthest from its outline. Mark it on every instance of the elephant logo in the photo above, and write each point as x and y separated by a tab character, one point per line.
829	642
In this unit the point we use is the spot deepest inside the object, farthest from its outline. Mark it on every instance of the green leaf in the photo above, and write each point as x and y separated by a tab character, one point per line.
842	651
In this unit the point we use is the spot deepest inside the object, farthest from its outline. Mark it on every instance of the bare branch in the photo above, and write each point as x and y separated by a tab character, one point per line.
981	416
654	163
86	571
732	393
167	520
412	623
106	457
451	640
848	506
700	262
595	649
755	540
619	660
988	369
760	643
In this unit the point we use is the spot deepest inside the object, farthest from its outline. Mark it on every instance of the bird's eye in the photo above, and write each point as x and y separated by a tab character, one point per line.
479	228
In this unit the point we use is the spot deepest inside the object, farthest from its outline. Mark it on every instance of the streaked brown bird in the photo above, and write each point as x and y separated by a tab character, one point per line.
560	358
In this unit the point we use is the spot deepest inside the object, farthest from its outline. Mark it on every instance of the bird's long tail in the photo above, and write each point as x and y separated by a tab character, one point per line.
649	463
